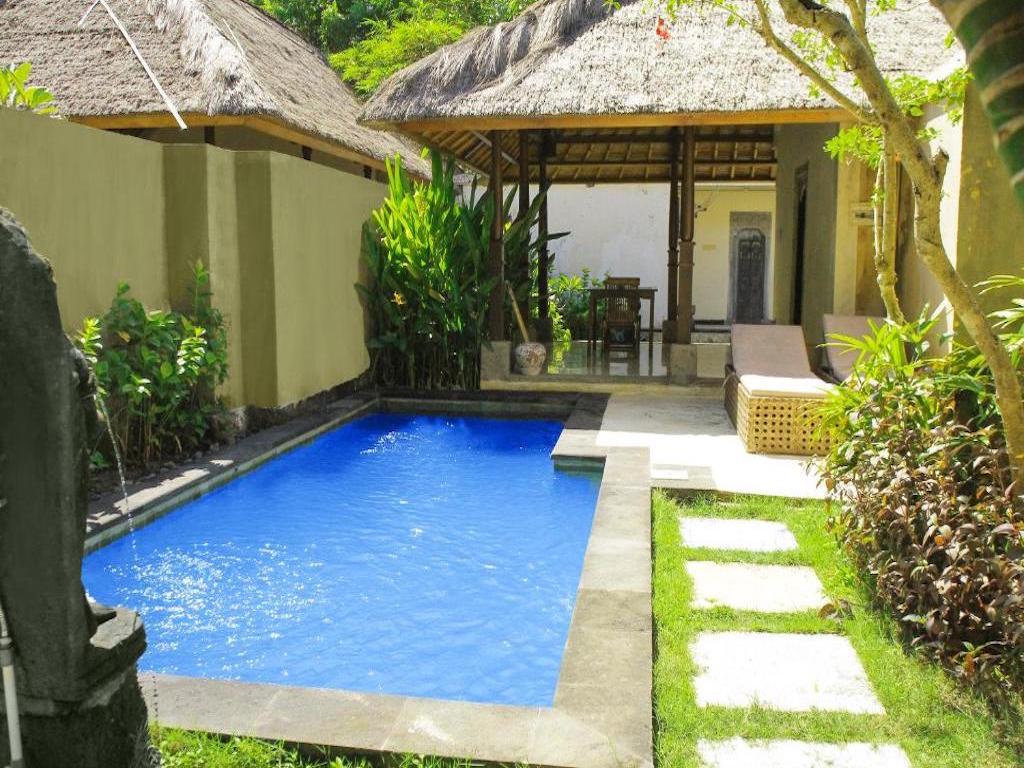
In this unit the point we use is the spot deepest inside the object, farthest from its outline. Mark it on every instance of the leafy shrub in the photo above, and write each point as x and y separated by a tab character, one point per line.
570	294
158	372
16	93
925	503
428	288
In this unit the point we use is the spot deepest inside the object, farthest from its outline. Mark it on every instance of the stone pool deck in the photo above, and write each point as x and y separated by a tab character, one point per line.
693	446
602	713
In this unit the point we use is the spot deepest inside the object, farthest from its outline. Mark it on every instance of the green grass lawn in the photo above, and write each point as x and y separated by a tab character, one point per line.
184	749
936	722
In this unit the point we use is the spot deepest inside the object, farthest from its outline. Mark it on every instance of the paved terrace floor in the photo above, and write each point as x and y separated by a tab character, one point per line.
693	445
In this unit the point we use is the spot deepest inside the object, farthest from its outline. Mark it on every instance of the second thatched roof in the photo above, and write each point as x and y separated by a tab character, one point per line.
575	59
220	61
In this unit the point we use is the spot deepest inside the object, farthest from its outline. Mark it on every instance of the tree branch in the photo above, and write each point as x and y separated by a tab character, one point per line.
857	54
859	17
768	34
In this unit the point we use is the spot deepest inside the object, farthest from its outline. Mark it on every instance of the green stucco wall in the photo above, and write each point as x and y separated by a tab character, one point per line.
316	267
798	146
280	235
93	204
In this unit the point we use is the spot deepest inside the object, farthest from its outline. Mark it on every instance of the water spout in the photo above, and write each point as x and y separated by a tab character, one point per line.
10	692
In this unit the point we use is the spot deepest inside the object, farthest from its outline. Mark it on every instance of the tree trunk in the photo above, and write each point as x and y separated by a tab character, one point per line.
992	33
926	175
886	205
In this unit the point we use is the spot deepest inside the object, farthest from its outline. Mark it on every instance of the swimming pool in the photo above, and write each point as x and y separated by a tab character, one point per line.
406	554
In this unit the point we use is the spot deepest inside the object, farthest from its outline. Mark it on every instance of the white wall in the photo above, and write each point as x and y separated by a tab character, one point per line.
623	229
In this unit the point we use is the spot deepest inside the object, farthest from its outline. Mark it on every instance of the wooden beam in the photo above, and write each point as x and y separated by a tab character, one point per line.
524	206
487	142
684	316
668	333
665	119
664	161
543	262
259	123
496	260
661	138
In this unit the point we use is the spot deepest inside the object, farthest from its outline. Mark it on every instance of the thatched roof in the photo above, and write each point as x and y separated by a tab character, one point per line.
220	61
568	63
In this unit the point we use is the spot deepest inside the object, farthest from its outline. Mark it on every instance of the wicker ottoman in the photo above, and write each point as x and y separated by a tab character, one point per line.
775	414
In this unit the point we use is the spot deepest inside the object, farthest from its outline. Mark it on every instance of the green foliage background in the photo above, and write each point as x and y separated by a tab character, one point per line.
366	41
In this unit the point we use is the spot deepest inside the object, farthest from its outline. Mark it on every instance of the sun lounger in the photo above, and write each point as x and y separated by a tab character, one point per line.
771	394
838	360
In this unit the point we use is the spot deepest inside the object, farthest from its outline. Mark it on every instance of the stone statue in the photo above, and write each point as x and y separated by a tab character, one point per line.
78	691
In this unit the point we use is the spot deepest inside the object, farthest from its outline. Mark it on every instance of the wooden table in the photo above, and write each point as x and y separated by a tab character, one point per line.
596	294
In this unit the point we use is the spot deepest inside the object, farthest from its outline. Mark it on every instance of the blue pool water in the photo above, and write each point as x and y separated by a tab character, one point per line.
415	555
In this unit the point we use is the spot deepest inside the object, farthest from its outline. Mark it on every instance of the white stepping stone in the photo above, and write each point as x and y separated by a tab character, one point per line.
793	673
738	753
745	535
764	588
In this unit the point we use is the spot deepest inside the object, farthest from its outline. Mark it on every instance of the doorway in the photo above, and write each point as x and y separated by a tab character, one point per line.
800	244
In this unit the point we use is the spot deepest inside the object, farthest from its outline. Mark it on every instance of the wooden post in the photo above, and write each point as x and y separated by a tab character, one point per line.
544	325
524	206
684	315
496	260
669	331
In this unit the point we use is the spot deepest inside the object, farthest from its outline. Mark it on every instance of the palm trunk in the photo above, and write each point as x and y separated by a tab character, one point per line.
992	33
926	174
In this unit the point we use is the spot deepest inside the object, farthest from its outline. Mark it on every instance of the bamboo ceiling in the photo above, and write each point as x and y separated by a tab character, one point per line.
614	155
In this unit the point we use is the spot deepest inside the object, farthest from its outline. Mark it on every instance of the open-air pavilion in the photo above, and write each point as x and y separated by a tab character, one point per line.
576	92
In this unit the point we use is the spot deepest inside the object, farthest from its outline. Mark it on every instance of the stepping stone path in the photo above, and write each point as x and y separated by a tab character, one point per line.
798	754
782	671
793	673
763	588
744	535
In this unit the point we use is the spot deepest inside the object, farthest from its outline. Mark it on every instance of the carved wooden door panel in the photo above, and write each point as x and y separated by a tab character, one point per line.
750	273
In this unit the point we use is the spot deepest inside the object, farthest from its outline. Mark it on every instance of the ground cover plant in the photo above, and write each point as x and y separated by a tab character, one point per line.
187	749
157	373
924	500
938	723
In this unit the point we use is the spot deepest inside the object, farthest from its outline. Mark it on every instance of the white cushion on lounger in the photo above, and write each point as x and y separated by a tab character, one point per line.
770	350
785	386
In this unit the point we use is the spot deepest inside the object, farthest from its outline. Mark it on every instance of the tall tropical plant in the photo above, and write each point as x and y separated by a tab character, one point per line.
428	288
522	245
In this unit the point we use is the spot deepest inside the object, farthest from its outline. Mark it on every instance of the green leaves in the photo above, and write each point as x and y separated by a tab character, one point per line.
918	470
158	370
428	288
16	93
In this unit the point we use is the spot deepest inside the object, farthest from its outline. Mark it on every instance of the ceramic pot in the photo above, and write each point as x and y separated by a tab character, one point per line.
530	358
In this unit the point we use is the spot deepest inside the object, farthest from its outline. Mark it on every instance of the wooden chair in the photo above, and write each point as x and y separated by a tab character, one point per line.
622	315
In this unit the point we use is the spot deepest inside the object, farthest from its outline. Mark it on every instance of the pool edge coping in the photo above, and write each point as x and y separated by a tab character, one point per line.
602	714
